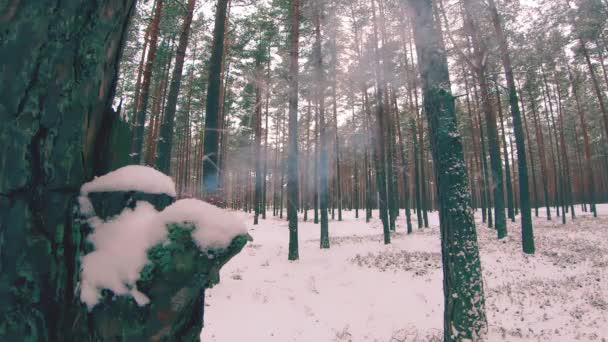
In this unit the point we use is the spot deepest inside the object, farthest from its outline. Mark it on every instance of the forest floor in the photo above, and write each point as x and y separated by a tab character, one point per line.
362	290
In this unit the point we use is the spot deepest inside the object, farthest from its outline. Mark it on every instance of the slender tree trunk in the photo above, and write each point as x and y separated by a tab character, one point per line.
596	84
337	152
163	160
292	161
530	154
211	189
324	158
464	308
493	142
540	141
520	141
258	139
589	180
380	146
509	183
265	176
140	71
140	120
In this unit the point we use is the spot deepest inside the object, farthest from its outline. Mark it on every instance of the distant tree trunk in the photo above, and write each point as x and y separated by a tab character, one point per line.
140	71
380	146
140	120
520	141
222	113
258	140
316	165
540	141
337	152
530	154
493	142
404	168
596	84
484	162
508	183
165	141
423	189
52	117
265	176
555	162
292	159
566	176
306	179
589	181
211	188
356	197
320	95
464	308
414	130
368	168
479	176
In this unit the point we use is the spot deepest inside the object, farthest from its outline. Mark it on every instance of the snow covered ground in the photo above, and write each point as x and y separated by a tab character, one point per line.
362	290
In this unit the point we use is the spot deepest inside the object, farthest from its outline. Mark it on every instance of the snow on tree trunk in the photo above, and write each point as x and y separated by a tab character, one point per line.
464	312
148	260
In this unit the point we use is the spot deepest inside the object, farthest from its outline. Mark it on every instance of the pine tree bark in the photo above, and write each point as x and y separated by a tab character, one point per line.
464	308
57	89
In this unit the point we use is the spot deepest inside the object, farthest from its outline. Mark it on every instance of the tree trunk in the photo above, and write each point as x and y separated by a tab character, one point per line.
508	183
520	142
493	142
258	138
140	120
596	84
323	158
292	161
211	189
531	155
589	181
55	95
540	141
380	146
464	309
165	141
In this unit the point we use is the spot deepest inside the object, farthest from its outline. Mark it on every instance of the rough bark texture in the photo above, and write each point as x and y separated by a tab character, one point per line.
175	281
464	312
59	68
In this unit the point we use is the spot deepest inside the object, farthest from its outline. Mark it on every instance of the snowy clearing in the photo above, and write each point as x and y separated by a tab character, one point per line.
362	290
